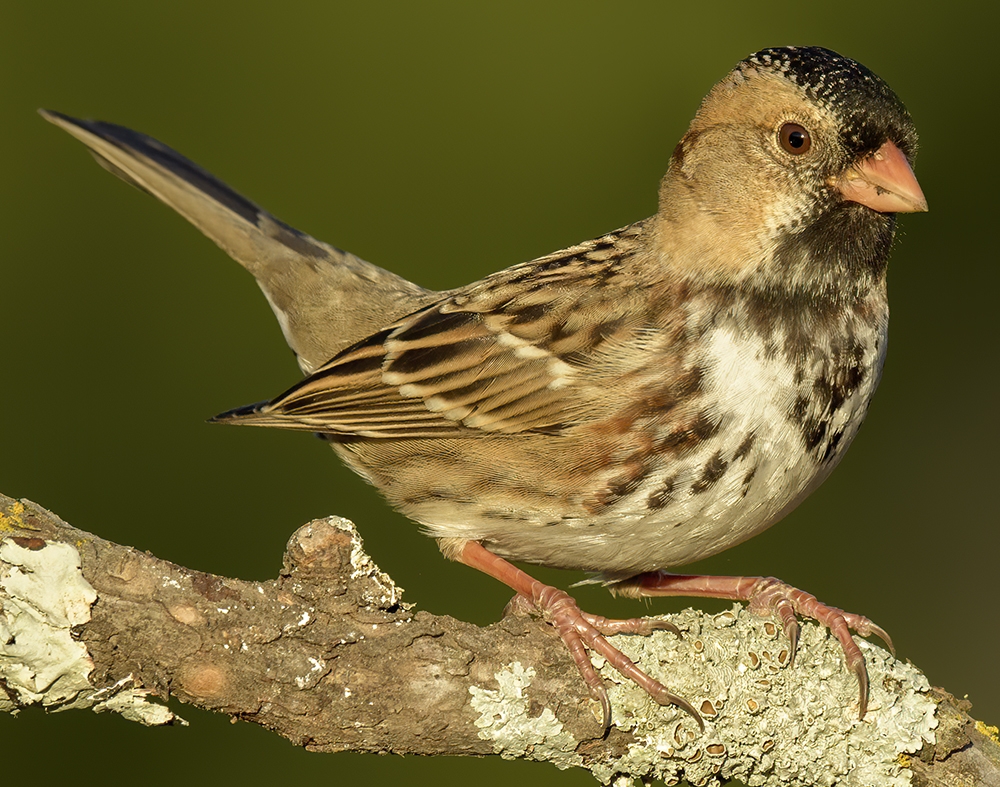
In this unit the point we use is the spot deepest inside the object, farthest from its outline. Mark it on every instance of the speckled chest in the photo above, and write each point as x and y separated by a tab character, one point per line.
783	409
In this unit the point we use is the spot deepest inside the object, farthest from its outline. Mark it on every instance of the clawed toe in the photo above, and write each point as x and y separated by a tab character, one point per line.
583	632
580	631
641	626
771	594
866	628
767	596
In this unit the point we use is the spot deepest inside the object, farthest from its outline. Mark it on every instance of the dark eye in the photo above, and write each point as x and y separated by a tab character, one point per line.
795	139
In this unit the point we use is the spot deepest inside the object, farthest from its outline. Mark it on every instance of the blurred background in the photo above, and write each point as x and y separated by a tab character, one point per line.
446	140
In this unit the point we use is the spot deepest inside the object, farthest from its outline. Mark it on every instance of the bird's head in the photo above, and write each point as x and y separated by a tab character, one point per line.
791	174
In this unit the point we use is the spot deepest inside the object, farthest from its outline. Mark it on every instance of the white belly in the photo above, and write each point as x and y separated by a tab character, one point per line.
777	440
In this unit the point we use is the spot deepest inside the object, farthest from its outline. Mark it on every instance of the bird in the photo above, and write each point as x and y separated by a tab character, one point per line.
626	405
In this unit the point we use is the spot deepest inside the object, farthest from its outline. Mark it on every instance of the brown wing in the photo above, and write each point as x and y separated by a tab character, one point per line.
503	355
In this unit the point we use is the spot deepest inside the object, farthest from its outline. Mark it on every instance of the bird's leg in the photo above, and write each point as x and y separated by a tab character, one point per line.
579	630
767	596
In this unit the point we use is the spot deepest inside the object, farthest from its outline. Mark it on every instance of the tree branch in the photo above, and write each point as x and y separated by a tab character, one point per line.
328	656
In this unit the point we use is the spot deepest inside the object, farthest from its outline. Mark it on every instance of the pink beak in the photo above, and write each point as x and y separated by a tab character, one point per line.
884	182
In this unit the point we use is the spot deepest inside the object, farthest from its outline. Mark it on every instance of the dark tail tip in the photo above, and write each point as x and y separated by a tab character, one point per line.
245	414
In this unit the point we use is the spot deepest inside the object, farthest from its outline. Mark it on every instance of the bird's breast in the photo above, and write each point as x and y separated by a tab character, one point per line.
780	413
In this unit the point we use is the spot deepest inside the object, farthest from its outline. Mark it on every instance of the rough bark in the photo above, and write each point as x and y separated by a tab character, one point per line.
329	656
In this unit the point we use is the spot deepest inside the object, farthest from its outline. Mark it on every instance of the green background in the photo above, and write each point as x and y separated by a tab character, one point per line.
445	141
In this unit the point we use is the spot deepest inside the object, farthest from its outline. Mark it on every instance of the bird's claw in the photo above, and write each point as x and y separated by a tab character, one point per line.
641	626
582	632
772	597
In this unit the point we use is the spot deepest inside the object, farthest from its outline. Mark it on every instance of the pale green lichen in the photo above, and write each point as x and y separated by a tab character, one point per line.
766	723
133	704
42	596
504	719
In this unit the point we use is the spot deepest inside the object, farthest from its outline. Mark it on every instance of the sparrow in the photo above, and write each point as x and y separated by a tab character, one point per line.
626	405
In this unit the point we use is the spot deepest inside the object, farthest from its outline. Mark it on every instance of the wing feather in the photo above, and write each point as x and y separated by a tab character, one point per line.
500	356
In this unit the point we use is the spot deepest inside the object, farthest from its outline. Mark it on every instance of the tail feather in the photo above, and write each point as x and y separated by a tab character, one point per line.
324	298
257	415
223	214
241	414
260	414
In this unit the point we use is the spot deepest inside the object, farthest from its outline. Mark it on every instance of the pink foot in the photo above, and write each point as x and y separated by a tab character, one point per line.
767	596
579	630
